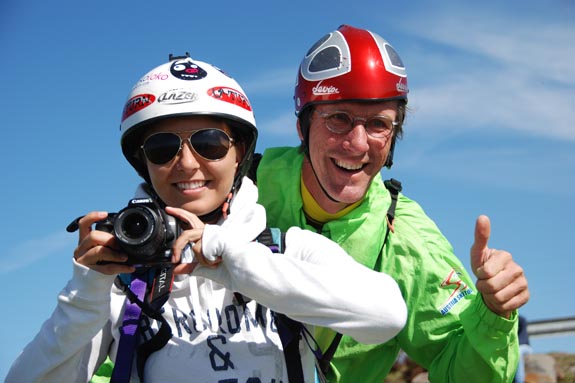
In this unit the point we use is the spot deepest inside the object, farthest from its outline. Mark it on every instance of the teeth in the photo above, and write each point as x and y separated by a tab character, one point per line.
348	166
191	185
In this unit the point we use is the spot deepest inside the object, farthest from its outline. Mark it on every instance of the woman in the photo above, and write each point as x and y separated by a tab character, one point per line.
188	129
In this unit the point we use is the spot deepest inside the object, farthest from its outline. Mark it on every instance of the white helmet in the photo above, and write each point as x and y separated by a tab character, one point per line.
184	87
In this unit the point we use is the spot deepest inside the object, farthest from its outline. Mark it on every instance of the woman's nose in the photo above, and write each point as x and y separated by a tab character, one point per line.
187	157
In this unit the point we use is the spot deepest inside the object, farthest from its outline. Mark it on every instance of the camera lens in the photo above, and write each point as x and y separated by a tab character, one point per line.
135	225
143	233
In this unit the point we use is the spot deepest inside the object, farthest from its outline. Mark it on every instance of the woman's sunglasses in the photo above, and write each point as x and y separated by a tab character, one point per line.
210	144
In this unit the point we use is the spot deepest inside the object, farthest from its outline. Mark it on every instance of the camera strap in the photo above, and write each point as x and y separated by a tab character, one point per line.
147	291
129	329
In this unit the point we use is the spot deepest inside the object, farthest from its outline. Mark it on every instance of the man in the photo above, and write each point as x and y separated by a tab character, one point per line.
351	99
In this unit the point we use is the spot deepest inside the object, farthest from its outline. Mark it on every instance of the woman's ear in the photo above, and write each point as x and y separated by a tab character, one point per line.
240	152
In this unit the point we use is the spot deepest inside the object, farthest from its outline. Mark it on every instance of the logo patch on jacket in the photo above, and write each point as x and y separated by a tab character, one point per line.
458	288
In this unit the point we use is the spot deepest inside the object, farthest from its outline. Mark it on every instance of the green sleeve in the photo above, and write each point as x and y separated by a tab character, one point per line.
104	373
449	331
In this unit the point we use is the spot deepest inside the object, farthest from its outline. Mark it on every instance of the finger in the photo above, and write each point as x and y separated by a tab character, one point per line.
508	299
86	222
479	250
100	254
185	238
93	239
495	262
115	268
185	268
192	220
508	275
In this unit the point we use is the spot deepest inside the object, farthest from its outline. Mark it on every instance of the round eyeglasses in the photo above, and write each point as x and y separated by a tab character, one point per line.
339	122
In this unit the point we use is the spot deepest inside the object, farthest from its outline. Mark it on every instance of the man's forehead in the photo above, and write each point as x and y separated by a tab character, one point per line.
360	108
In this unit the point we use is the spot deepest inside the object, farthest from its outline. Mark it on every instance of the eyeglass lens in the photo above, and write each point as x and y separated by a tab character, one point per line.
210	144
341	123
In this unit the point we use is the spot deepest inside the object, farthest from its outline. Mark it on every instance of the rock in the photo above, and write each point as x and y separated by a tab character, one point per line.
421	378
540	368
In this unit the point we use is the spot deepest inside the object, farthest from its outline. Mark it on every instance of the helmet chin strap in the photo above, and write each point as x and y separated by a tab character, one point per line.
317	178
388	164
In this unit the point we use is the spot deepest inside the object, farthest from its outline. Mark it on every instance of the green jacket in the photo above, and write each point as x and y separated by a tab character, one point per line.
449	330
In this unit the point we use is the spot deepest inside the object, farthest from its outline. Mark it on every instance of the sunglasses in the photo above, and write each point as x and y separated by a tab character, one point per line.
210	144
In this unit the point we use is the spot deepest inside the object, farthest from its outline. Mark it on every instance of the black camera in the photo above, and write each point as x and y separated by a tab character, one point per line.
144	231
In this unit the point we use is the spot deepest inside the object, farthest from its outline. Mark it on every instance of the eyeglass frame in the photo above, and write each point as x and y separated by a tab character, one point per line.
232	141
354	120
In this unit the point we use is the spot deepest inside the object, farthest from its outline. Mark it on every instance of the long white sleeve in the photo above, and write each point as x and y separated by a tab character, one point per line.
75	339
314	282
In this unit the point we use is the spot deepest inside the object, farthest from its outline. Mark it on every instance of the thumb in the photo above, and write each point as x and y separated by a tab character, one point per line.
479	250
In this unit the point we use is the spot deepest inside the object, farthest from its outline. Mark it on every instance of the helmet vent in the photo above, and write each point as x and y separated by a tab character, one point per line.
328	58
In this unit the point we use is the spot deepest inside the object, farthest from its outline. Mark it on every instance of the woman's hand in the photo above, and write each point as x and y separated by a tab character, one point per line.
97	250
193	228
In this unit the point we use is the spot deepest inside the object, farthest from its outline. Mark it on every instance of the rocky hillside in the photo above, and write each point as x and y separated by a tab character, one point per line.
541	368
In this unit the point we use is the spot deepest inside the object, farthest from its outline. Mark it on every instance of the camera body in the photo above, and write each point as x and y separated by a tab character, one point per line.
144	231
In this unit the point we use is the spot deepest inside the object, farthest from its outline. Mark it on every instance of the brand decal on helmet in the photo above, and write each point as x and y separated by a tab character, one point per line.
230	95
137	103
177	96
186	69
152	77
459	287
401	85
321	90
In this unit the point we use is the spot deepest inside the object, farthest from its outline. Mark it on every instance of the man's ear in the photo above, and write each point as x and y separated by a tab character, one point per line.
299	133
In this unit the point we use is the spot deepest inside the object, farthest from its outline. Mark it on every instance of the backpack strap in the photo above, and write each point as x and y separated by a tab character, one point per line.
394	187
289	330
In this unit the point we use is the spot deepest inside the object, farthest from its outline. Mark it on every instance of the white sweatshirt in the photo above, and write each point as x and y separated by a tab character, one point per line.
215	339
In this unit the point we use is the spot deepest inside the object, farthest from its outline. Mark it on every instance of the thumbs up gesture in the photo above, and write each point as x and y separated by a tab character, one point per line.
500	280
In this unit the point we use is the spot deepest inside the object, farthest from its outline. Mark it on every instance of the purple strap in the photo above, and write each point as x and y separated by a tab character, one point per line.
128	333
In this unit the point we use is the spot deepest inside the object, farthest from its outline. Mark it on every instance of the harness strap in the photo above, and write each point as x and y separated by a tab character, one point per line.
394	187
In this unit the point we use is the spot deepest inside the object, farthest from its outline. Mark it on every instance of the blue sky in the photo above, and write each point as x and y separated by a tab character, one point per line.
490	131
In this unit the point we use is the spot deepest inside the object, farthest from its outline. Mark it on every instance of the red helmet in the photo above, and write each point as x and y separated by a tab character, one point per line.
350	64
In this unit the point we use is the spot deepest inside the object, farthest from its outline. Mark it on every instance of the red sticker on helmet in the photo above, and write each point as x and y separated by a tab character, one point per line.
230	95
137	103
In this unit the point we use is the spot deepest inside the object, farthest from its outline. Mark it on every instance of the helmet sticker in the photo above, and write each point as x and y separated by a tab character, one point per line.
152	77
177	96
186	69
401	85
231	96
321	90
137	103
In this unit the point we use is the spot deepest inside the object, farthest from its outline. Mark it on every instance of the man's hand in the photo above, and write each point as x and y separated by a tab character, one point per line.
500	280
